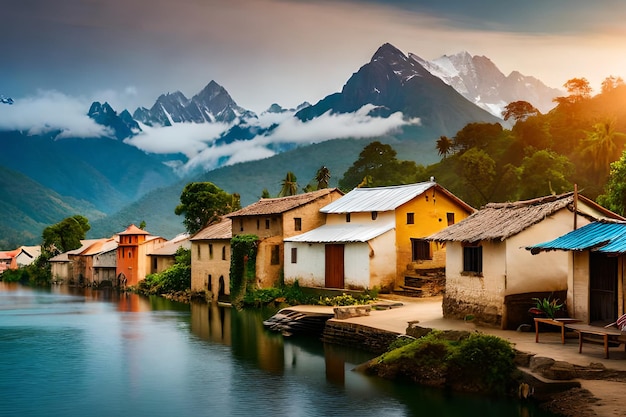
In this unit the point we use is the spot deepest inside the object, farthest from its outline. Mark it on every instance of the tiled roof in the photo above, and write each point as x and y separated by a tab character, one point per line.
133	230
267	206
221	230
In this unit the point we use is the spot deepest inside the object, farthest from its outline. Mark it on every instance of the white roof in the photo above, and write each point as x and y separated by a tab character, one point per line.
377	198
332	233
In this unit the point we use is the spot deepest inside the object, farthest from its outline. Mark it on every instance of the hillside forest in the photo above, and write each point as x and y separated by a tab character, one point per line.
581	141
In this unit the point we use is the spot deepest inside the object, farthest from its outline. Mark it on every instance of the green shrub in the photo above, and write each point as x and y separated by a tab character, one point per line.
346	299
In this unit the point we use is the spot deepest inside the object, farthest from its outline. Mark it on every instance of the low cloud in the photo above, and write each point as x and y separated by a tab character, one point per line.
51	111
292	130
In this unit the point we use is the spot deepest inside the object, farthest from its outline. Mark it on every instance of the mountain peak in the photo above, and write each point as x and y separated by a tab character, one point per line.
123	125
388	52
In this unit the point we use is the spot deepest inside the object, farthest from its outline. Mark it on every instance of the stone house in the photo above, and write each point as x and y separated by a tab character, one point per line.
374	237
275	219
489	273
210	259
164	256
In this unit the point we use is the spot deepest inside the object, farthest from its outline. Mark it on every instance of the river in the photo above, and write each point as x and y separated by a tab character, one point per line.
76	352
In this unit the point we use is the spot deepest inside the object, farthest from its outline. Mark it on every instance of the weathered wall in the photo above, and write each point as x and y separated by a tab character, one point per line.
205	265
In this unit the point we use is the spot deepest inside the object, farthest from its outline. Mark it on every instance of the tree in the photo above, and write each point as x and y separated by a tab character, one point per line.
578	89
610	83
476	135
65	235
289	186
322	176
478	171
444	146
614	197
375	163
519	110
600	148
203	203
544	173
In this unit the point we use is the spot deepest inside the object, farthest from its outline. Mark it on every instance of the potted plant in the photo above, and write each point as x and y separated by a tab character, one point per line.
546	307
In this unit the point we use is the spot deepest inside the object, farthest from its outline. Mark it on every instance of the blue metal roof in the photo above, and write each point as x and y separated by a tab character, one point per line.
602	236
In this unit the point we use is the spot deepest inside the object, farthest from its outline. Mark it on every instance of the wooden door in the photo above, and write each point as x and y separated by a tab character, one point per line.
334	266
602	288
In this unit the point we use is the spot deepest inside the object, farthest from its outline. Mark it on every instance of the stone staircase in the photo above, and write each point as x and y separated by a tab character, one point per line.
423	283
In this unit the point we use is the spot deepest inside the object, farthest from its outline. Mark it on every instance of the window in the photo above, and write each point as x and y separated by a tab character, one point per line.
374	215
421	250
210	251
473	259
297	224
154	263
294	255
410	218
258	224
224	253
450	218
198	251
267	223
347	217
241	225
275	256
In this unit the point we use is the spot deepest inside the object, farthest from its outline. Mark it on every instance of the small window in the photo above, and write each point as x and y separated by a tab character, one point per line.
130	254
294	255
374	215
421	250
450	218
410	218
267	223
224	253
275	256
297	224
154	263
347	217
198	251
473	259
258	224
210	251
241	225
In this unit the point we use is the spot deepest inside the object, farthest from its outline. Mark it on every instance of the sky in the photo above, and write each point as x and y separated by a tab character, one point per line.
67	53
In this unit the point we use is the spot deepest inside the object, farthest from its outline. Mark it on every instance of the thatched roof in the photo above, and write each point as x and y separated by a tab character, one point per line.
499	221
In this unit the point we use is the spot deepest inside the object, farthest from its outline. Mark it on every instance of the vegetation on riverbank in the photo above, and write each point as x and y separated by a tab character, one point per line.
461	361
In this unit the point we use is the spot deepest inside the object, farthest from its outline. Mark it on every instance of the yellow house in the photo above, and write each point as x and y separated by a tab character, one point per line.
374	237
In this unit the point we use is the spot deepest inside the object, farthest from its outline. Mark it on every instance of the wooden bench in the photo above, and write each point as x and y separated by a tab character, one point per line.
595	334
562	322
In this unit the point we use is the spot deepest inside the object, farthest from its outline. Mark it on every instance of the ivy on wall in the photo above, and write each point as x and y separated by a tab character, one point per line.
242	263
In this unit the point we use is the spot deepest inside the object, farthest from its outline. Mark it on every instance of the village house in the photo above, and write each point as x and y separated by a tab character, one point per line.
491	276
374	238
132	264
276	219
164	256
20	257
90	264
596	255
210	259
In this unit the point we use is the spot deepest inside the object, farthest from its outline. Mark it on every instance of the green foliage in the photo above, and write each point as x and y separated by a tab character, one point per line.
549	306
289	185
242	264
486	359
614	197
347	299
36	274
65	235
204	203
175	278
377	166
544	173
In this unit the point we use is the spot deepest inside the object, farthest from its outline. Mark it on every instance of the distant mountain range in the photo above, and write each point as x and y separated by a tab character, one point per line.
120	179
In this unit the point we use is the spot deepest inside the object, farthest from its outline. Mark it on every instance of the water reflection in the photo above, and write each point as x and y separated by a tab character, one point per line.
74	352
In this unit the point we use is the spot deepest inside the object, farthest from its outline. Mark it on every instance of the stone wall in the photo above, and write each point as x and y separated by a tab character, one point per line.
357	336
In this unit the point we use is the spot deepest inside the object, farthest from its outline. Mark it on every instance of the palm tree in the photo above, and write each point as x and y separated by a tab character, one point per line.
289	185
322	177
444	146
601	148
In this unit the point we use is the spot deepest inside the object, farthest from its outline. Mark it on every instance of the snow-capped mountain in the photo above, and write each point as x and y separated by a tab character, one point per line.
212	104
123	124
479	80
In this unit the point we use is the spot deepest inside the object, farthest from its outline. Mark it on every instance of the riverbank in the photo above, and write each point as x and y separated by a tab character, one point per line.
601	380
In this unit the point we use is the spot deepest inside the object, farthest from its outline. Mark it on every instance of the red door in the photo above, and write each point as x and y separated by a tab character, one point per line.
334	266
